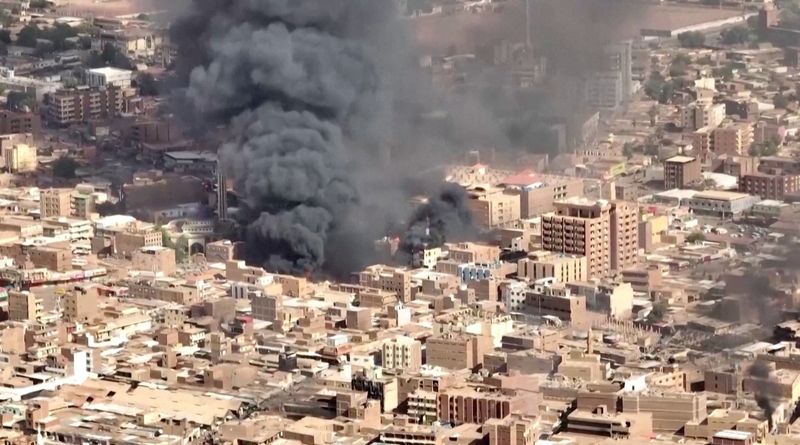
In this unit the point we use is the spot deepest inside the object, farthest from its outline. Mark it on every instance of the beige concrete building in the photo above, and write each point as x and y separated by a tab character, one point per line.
670	410
493	206
735	139
80	304
471	405
20	158
24	306
402	353
606	233
537	192
55	202
514	429
160	260
681	172
457	351
562	267
52	258
387	278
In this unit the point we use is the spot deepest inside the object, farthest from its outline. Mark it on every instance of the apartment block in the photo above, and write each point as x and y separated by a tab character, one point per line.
769	186
80	304
493	207
387	278
698	115
402	353
514	429
55	202
20	158
457	351
733	140
24	306
12	122
473	405
671	411
606	233
156	259
557	301
561	267
77	105
537	192
51	258
681	172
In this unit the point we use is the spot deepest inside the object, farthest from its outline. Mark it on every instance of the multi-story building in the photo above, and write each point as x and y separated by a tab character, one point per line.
24	306
156	259
681	172
735	139
472	405
557	301
515	429
457	351
493	207
402	353
699	115
12	122
20	158
108	76
537	192
606	233
72	106
387	278
769	186
670	410
80	304
51	258
722	203
562	267
604	90
703	140
55	202
620	59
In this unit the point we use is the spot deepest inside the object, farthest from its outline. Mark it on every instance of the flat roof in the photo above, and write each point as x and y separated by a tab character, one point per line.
109	70
733	435
721	195
681	159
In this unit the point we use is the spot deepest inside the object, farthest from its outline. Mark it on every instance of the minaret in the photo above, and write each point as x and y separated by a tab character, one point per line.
589	342
222	198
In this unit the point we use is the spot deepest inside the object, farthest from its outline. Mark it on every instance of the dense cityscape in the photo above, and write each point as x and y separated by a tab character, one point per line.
399	222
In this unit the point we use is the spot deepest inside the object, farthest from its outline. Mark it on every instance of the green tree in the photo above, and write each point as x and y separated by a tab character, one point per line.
695	237
736	35
19	101
28	36
692	39
780	101
64	167
5	36
180	246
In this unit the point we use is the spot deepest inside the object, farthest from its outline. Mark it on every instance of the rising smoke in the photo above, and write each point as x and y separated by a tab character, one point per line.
764	399
326	110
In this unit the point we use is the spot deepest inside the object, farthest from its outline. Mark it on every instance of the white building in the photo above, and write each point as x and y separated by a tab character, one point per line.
108	76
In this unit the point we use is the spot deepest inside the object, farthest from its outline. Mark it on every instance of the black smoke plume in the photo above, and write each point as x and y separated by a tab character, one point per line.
327	112
445	216
764	398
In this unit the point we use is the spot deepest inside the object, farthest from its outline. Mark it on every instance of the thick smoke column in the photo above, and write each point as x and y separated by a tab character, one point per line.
761	371
444	217
306	101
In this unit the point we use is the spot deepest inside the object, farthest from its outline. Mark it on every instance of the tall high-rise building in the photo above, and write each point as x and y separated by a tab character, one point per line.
605	232
620	59
222	197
